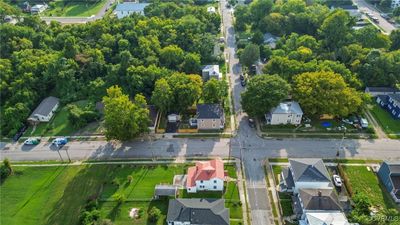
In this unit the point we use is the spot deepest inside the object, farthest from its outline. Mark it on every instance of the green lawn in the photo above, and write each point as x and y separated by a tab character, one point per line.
56	195
388	124
65	8
285	200
60	125
362	180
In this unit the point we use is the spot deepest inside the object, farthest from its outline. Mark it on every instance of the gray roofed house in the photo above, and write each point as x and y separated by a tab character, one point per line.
210	117
309	169
127	8
319	200
45	110
196	211
305	173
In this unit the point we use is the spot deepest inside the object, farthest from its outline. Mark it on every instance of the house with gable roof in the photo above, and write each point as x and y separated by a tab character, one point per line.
206	176
304	173
288	112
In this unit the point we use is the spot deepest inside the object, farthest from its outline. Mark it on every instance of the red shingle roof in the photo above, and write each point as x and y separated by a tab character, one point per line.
205	171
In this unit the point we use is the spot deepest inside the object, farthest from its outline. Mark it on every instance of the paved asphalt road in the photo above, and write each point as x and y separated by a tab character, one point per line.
383	23
75	20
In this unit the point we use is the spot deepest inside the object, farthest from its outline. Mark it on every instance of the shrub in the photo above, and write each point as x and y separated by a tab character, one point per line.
346	180
120	198
129	178
154	214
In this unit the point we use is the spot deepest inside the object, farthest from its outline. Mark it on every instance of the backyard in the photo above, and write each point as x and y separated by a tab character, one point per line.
388	124
362	180
285	200
65	8
57	194
59	125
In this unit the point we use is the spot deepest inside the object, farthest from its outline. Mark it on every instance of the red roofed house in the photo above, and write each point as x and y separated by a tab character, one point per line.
206	176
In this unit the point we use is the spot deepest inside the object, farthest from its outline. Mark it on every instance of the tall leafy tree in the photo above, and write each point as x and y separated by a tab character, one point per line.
325	93
250	55
162	95
123	119
214	91
263	93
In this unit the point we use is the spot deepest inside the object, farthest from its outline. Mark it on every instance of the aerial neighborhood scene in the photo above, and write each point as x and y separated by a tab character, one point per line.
200	112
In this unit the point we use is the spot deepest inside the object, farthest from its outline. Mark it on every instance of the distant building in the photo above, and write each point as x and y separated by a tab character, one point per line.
36	9
206	176
211	9
351	9
270	40
285	113
374	91
196	211
210	117
211	71
128	8
389	174
44	112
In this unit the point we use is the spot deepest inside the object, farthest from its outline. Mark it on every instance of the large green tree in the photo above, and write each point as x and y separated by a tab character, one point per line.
250	55
263	93
124	119
325	93
336	29
214	91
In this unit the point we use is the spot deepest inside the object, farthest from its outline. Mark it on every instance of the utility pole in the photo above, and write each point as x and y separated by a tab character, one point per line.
66	150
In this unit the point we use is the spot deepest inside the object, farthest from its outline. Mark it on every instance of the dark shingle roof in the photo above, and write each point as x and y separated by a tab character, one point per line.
198	211
46	106
394	167
287	175
383	98
309	170
209	111
319	199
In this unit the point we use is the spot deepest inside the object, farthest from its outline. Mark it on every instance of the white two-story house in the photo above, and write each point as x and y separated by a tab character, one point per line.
206	176
285	113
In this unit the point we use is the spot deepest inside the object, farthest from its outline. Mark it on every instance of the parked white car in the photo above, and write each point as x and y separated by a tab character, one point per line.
337	180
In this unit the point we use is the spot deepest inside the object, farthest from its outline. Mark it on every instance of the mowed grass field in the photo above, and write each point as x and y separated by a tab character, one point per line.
57	194
388	124
74	8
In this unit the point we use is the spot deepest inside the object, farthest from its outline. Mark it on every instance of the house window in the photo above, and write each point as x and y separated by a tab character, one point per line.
213	125
215	187
215	181
214	120
201	181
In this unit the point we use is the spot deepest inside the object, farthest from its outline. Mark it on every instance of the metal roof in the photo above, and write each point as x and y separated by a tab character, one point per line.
290	107
131	6
198	211
45	107
165	190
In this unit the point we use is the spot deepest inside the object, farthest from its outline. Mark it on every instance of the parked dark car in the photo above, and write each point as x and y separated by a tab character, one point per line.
19	133
241	76
243	83
252	123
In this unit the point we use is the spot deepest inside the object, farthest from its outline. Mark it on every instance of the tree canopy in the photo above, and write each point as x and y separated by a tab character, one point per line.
263	93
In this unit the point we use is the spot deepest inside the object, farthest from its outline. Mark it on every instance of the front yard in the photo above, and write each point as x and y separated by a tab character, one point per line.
58	194
388	124
59	125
